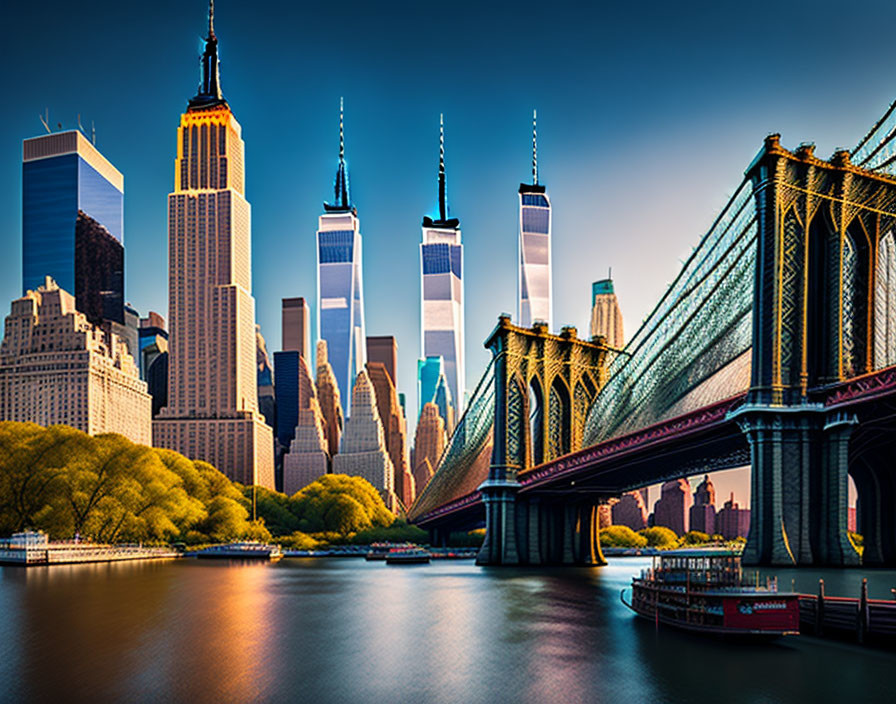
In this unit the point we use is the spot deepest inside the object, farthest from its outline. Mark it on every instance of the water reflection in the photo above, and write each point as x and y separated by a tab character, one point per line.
349	631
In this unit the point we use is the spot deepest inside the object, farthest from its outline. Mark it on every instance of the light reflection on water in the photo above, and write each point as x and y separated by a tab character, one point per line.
331	630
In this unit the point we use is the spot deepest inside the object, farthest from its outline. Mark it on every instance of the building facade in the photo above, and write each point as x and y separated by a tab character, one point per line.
442	288
672	508
363	452
340	284
72	223
429	444
606	316
296	327
56	367
394	430
212	412
631	511
703	511
153	358
534	301
384	349
330	400
732	521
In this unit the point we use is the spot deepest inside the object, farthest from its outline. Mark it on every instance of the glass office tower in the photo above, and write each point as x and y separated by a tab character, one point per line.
72	222
534	283
442	288
340	286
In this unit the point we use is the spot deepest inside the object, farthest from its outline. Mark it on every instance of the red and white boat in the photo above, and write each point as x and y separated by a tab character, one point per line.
705	590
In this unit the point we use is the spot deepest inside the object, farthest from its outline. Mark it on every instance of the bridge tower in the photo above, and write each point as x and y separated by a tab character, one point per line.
544	386
821	228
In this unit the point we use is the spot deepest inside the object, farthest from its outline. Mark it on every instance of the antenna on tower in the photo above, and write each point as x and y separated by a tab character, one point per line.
80	126
93	132
45	121
534	148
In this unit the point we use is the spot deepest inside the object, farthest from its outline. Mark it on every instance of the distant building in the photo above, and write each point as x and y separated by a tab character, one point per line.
429	444
394	429
307	458
72	223
267	404
429	372
630	511
384	349
153	358
296	327
340	284
57	367
534	285
605	513
733	521
671	510
442	398
329	399
363	452
703	511
212	412
606	317
442	289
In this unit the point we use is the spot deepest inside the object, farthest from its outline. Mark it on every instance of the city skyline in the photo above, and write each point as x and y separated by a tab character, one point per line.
613	128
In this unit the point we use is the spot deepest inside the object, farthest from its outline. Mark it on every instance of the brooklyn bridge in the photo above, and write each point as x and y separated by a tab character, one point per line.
775	347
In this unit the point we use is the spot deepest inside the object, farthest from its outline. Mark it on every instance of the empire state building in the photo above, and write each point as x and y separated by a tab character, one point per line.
212	411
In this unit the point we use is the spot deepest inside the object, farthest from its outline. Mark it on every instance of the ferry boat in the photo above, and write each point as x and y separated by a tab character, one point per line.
245	550
706	591
407	555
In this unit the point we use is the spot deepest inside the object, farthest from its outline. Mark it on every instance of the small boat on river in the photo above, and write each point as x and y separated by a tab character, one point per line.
245	550
706	591
409	554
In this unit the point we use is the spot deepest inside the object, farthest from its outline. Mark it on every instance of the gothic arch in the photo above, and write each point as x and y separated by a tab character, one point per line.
885	303
535	408
558	440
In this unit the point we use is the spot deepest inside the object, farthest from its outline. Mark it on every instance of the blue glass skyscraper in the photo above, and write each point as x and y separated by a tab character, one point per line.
72	222
340	287
442	288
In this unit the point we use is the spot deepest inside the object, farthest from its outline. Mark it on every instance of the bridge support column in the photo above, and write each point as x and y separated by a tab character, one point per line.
589	536
799	464
500	545
875	479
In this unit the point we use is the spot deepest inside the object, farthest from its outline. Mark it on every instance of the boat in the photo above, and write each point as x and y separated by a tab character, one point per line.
706	591
379	551
245	550
407	555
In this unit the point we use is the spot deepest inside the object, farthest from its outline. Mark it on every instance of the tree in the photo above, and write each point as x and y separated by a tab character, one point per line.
659	537
621	537
694	537
273	508
340	503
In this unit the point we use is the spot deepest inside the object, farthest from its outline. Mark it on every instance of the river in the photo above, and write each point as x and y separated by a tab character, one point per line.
344	630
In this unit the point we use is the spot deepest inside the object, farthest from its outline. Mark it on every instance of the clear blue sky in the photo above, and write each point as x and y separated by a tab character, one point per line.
648	115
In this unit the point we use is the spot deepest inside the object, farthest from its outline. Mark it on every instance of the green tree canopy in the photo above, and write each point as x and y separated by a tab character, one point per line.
694	537
659	537
621	537
339	503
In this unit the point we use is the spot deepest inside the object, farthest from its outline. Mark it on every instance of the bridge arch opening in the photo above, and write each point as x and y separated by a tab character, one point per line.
885	303
536	422
558	419
855	268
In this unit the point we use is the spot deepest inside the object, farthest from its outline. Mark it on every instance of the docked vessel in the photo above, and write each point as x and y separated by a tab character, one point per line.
407	555
246	550
706	591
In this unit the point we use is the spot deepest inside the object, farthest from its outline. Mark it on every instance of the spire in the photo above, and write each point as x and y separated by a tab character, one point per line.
443	206
209	93
342	201
534	148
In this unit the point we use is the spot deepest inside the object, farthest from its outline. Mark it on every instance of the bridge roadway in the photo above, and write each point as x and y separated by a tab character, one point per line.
707	439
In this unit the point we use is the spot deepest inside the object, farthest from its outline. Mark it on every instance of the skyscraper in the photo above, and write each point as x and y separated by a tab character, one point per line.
72	223
329	398
671	510
394	429
384	349
363	452
212	411
606	317
442	288
630	510
308	457
703	511
430	371
429	443
340	289
535	301
296	319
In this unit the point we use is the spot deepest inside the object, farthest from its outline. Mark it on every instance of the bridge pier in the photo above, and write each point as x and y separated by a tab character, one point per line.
799	457
875	480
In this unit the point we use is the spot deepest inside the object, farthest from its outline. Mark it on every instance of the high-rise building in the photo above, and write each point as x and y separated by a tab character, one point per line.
631	511
308	457
442	288
384	349
394	429
732	521
703	511
671	510
363	452
212	412
72	223
267	405
329	399
429	443
58	367
429	372
153	358
606	317
340	286
442	399
296	327
534	284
